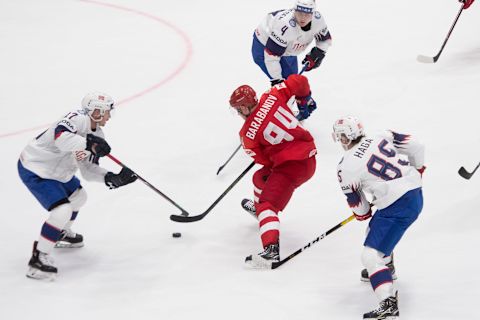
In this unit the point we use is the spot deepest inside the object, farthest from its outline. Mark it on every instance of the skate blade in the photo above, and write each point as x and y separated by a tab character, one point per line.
68	245
257	262
36	274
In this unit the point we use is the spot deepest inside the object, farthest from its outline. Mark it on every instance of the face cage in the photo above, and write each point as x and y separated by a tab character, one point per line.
102	113
337	138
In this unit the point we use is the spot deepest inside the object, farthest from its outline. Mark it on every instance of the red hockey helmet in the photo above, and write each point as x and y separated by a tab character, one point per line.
243	96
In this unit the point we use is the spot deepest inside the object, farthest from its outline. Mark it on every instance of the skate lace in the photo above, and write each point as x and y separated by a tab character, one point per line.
250	205
271	252
46	259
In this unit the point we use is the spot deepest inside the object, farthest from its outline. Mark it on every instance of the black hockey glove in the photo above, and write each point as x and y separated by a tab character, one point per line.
314	58
125	177
98	146
276	81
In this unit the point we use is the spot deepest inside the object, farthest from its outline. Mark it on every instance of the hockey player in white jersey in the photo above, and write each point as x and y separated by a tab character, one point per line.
388	167
47	167
284	34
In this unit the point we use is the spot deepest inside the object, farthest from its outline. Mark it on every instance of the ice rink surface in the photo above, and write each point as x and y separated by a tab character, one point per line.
172	65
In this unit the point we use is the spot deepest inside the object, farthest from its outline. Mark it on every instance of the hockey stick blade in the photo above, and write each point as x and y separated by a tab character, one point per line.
186	219
425	59
465	174
308	245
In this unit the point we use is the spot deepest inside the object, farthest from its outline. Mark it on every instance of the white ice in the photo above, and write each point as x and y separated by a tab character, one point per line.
173	65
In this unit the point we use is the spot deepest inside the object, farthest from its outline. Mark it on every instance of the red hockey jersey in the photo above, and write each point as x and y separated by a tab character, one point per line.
271	134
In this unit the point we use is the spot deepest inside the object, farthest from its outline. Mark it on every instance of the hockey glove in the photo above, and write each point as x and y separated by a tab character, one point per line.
314	58
125	177
306	106
466	3
275	81
98	146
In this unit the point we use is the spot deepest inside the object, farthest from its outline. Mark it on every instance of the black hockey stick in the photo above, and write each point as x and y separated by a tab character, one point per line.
465	174
184	213
425	59
184	218
234	152
238	148
308	245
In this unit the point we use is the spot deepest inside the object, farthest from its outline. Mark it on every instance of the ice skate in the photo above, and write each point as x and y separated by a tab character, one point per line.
69	239
264	259
249	206
41	265
388	310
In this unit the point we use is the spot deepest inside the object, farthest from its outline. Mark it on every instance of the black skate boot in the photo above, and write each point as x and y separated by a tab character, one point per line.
69	239
41	265
388	310
249	206
264	259
365	276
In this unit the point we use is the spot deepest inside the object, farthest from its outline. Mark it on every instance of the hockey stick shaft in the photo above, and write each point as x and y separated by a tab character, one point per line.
184	212
465	174
234	153
238	148
308	245
184	219
435	59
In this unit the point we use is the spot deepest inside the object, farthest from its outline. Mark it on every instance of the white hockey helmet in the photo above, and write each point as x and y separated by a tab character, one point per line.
348	126
97	101
306	6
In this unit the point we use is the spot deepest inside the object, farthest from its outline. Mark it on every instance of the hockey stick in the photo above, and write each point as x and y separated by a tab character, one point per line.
184	213
238	148
308	245
425	59
185	218
234	152
465	174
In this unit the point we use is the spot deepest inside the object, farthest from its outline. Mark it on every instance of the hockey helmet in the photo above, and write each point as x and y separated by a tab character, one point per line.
348	126
243	96
97	101
306	6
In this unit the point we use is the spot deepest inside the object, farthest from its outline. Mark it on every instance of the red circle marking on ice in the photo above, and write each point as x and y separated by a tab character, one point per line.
169	77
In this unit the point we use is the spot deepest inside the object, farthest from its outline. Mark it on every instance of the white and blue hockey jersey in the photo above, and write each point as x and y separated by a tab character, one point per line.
384	166
282	36
59	151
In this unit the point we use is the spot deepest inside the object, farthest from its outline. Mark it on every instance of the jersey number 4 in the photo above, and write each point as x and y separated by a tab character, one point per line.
382	168
275	134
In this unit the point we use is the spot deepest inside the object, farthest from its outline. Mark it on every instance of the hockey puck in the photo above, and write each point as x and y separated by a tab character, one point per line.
176	234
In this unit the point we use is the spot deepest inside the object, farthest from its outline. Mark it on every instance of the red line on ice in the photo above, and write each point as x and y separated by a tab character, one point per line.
143	92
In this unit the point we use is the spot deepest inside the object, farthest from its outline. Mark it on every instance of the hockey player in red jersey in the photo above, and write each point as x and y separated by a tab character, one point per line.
274	138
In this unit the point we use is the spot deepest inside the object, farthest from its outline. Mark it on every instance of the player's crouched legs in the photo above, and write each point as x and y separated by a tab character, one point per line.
270	234
382	284
68	238
41	264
